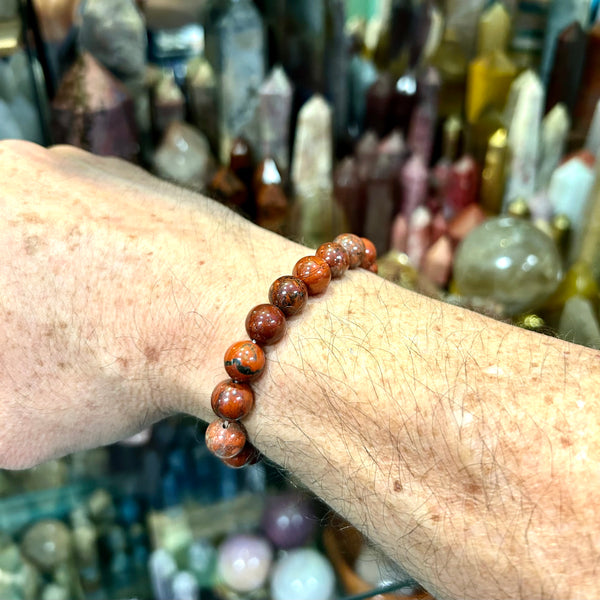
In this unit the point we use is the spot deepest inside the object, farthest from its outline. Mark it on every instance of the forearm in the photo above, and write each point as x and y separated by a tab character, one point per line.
465	447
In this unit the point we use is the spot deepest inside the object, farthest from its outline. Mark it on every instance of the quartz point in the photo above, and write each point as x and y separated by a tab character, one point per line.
347	191
488	84
184	157
462	186
418	238
565	76
414	179
337	61
568	192
362	75
424	117
201	89
312	161
555	129
525	107
493	176
271	202
463	18
493	30
114	32
561	14
275	105
508	261
380	203
437	262
592	142
241	69
589	93
587	247
93	110
313	152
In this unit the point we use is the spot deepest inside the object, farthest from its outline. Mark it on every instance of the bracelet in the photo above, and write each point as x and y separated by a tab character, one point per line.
233	399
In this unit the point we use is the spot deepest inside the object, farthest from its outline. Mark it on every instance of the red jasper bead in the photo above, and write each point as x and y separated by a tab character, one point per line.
354	246
370	253
315	273
289	294
335	256
225	439
244	361
232	400
374	268
248	456
265	324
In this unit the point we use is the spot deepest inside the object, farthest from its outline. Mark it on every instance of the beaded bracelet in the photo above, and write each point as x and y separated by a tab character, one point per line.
233	399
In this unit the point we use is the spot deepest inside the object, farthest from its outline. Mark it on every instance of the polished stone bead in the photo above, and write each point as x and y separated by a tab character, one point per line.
314	272
510	262
225	439
232	400
244	361
354	246
265	324
248	456
335	256
370	254
289	294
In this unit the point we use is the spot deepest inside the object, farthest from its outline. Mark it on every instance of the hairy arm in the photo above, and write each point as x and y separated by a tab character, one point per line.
468	449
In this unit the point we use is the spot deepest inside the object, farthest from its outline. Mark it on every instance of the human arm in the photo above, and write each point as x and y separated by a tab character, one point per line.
466	448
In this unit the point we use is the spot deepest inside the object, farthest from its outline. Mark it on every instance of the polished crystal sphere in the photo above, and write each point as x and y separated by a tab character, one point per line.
243	562
510	262
302	574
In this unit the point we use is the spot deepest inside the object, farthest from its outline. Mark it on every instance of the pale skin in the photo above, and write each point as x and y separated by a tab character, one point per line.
466	448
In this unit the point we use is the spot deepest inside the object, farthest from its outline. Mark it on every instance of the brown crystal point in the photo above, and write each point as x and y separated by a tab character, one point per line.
227	188
271	201
240	157
93	110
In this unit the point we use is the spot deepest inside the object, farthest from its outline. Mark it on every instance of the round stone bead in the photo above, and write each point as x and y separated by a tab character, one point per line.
335	256
248	456
314	272
354	246
289	294
370	254
244	361
225	439
232	400
265	324
373	268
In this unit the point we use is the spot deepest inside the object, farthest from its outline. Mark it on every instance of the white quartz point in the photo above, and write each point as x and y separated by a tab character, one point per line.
568	193
313	153
555	128
275	104
523	135
592	143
